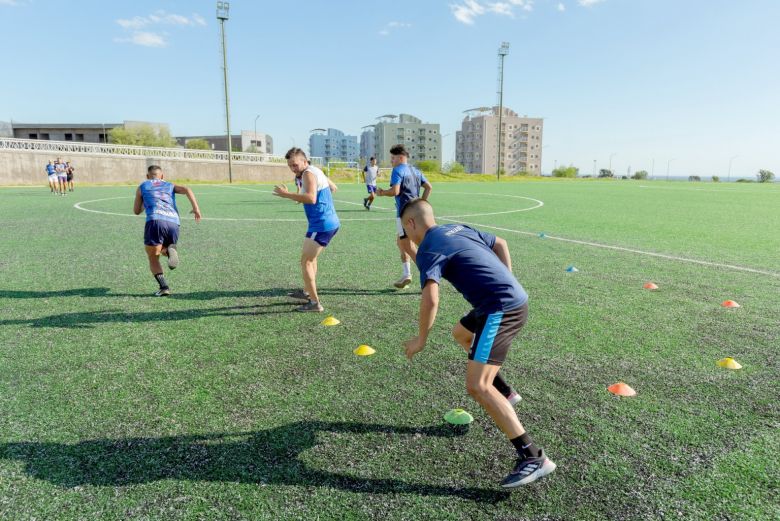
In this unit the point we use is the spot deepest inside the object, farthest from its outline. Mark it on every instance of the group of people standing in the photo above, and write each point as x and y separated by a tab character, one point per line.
60	174
476	263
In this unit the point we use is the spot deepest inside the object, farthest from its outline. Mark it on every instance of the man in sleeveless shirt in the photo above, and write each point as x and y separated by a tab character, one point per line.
161	232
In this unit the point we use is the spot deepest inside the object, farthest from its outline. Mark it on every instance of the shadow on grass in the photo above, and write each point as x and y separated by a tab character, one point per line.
265	457
91	318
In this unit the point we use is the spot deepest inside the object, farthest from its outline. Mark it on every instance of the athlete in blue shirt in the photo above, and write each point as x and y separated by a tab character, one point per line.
478	265
405	184
317	199
51	173
161	232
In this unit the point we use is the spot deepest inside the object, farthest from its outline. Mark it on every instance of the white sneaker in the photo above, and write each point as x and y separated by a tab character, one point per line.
514	398
402	282
173	257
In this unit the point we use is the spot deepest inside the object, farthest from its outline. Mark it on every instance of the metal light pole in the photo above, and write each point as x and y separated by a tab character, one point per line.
502	51
652	169
223	9
667	167
730	160
594	168
613	154
255	136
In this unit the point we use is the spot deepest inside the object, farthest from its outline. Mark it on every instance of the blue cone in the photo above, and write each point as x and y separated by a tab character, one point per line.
542	235
572	269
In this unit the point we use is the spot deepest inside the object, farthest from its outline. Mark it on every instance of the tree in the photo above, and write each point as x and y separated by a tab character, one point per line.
197	144
715	179
765	176
566	171
606	172
428	167
142	135
454	168
640	174
694	178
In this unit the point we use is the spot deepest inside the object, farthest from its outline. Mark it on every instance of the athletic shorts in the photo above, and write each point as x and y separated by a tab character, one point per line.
322	238
371	189
493	333
53	178
62	176
70	177
400	228
160	232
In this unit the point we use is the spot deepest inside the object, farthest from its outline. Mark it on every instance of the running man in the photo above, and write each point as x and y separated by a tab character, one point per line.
62	175
370	173
405	183
478	265
161	232
69	172
51	173
323	222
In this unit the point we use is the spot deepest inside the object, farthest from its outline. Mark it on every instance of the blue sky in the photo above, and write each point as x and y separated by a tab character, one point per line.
695	81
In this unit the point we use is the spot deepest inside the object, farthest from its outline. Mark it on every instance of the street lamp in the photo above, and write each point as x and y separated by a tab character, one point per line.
668	163
730	160
594	168
255	135
613	154
223	9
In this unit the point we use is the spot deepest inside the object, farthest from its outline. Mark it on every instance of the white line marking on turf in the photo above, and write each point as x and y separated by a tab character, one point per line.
628	250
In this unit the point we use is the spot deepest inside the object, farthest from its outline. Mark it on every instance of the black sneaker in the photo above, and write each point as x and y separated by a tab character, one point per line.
311	306
164	292
173	257
299	294
528	470
365	203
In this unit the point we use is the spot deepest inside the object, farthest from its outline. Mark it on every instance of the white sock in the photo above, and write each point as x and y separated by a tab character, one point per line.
407	269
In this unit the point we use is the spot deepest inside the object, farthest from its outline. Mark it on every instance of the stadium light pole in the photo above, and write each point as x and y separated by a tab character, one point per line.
668	163
613	154
502	52
730	161
223	11
255	136
594	168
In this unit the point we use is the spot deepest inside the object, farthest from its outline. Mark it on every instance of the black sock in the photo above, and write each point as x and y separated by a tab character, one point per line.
161	280
501	386
525	447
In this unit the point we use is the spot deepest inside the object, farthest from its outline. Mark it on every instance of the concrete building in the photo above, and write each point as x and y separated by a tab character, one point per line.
476	144
247	141
367	144
77	132
334	146
422	140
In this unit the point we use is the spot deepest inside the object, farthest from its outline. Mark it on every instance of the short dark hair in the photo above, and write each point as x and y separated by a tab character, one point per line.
295	151
372	159
399	150
412	203
153	168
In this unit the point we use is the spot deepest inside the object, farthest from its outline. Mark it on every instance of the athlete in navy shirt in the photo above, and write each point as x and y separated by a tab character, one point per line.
405	184
161	233
479	266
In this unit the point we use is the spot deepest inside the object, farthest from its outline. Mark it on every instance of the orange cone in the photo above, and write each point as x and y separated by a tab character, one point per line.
729	304
650	285
621	389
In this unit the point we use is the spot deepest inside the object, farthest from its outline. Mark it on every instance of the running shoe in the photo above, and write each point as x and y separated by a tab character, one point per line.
402	282
528	470
164	292
173	257
311	306
514	398
299	294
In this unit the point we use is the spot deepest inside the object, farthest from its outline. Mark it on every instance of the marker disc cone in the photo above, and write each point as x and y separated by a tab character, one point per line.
364	350
572	269
729	304
650	285
621	389
331	321
729	363
458	417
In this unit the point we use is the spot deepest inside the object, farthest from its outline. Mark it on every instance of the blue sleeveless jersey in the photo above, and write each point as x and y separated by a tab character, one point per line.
159	201
322	214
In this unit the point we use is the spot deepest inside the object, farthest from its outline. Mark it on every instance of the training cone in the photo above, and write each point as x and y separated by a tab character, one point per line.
364	350
729	363
621	389
458	417
572	269
729	304
542	235
331	321
650	285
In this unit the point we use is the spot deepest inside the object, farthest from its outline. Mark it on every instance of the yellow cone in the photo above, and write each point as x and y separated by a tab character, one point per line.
364	350
330	321
729	363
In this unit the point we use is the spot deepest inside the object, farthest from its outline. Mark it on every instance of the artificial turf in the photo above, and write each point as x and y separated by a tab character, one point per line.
221	402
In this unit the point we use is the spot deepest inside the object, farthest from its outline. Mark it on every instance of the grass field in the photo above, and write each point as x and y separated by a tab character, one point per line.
222	403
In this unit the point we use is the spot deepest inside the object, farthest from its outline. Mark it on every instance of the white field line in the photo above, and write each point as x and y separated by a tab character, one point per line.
628	250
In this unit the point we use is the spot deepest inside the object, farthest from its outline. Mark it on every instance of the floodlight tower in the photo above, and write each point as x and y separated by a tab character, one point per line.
223	10
502	51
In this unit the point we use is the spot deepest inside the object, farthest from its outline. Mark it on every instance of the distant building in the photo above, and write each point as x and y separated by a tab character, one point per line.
247	141
476	144
367	145
334	146
76	132
422	140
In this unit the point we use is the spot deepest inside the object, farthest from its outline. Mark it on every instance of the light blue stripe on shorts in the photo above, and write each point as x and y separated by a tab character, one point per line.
487	337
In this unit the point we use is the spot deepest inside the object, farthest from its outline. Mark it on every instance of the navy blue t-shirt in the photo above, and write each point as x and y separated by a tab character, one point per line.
410	180
464	256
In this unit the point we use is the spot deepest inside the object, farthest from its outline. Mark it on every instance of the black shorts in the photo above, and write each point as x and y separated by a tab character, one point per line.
158	232
493	333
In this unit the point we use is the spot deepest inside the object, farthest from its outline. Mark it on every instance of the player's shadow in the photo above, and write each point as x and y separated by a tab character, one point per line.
263	457
356	292
78	292
106	292
89	319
